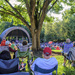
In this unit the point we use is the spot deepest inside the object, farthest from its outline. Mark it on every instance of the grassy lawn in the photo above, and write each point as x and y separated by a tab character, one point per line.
68	70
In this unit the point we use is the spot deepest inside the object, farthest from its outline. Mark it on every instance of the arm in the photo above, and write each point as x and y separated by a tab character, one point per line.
33	65
12	50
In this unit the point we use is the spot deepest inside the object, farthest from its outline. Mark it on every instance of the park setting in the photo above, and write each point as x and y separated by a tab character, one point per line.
37	37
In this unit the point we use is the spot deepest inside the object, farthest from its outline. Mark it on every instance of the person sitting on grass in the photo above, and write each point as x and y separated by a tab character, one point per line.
46	62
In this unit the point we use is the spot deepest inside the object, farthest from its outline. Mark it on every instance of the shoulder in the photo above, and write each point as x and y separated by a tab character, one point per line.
53	58
72	48
38	59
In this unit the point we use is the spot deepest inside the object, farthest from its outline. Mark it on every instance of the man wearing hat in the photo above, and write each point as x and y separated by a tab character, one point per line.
46	62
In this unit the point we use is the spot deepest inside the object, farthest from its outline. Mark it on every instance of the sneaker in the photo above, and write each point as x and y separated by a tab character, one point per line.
64	64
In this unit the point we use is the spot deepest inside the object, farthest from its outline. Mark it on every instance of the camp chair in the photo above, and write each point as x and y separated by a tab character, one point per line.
17	73
10	67
45	71
4	48
24	52
70	57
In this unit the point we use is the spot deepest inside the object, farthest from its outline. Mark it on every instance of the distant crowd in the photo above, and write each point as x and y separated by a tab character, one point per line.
46	62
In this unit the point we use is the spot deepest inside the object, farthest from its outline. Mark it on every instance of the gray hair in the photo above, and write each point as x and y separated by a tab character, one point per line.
67	40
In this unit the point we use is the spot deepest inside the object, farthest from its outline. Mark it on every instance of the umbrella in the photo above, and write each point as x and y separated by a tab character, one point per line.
50	42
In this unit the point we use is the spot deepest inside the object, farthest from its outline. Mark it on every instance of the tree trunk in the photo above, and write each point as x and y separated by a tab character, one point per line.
35	40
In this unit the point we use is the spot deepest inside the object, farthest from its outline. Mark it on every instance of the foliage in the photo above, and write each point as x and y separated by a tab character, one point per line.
31	13
69	23
60	30
4	25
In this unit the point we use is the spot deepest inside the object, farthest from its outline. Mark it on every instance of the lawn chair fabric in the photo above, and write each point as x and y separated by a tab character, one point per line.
17	73
2	48
44	64
45	71
23	52
9	66
72	56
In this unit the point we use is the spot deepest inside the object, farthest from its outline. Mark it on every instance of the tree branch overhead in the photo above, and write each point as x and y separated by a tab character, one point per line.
21	17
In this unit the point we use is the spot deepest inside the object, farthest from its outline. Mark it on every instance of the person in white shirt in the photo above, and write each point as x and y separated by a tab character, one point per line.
46	62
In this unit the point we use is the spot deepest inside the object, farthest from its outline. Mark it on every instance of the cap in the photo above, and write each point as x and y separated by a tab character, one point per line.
47	51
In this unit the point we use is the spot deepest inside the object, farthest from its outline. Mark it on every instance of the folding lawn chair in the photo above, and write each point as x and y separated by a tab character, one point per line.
4	48
45	71
17	73
11	67
70	57
24	52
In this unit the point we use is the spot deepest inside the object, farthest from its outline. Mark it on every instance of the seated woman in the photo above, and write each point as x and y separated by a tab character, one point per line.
5	55
12	51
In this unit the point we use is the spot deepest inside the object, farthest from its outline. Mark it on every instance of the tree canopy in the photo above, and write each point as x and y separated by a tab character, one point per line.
31	13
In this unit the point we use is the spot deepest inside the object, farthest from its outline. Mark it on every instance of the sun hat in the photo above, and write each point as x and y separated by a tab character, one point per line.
47	51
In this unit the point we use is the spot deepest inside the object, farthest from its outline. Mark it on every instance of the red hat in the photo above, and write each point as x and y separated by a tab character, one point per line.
47	51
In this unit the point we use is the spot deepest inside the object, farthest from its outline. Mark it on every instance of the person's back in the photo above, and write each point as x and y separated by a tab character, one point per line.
67	46
45	63
5	55
13	45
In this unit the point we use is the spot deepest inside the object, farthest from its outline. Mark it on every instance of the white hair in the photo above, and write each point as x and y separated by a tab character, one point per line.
67	40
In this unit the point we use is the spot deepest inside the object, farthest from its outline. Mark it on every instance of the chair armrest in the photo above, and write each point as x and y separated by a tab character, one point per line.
17	73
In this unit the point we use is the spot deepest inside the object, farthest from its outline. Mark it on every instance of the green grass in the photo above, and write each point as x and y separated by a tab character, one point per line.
57	50
68	70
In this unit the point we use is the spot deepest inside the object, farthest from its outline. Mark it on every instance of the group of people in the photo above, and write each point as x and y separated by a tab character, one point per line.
11	47
46	62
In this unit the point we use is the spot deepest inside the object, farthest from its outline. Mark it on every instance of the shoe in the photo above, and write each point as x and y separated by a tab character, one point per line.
63	74
64	64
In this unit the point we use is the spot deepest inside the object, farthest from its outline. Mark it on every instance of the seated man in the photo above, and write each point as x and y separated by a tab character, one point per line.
66	48
46	62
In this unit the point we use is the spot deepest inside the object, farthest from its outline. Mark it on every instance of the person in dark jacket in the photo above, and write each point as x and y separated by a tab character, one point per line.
5	55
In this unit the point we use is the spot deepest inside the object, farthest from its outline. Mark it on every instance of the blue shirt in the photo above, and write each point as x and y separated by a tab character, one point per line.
44	64
67	46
